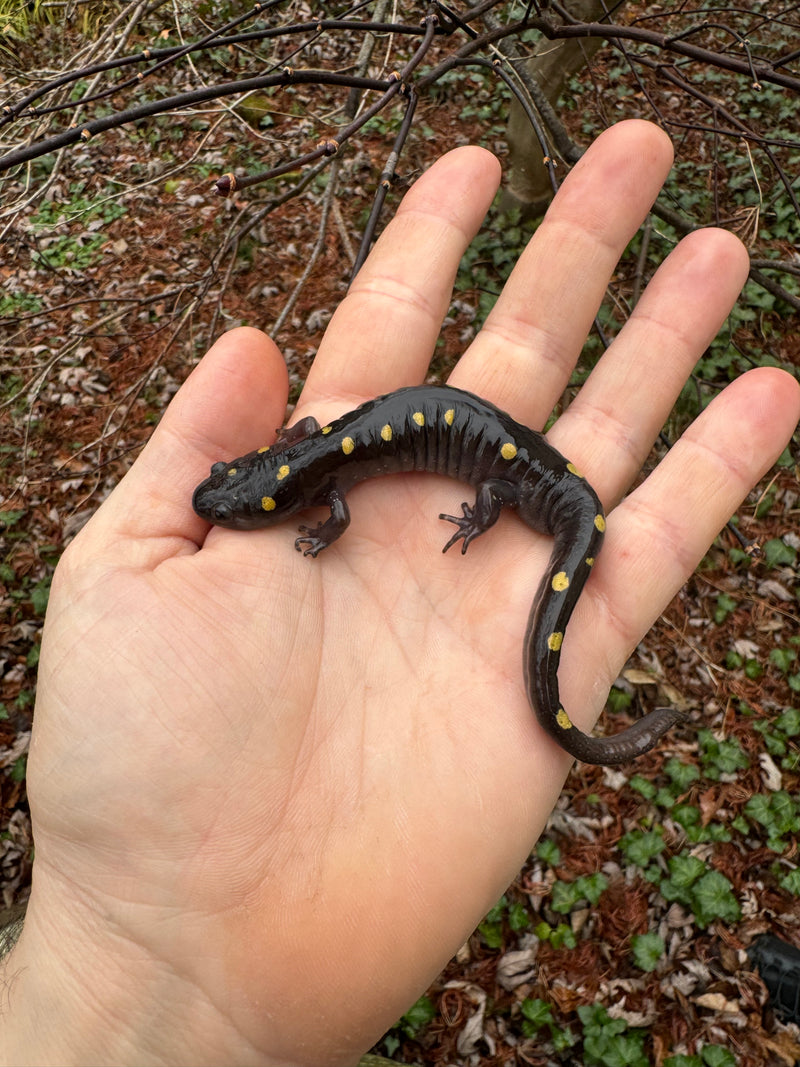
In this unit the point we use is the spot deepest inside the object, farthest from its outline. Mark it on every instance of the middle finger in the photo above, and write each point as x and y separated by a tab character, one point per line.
543	316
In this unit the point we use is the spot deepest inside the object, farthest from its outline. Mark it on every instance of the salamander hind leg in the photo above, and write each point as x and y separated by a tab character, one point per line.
477	518
293	435
325	533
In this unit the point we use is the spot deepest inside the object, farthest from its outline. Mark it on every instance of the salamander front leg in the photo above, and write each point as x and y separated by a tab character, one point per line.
485	512
325	533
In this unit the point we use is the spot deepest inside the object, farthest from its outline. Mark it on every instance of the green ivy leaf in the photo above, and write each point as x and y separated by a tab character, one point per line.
782	658
418	1016
518	918
713	898
548	852
11	517
563	937
492	934
641	847
718	1056
647	949
643	785
565	896
537	1012
40	595
682	774
593	886
725	605
778	554
791	882
720	756
685	870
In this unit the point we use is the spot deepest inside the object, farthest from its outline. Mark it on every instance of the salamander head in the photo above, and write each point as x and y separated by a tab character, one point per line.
253	491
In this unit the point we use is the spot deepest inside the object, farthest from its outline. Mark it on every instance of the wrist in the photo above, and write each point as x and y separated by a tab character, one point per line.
74	991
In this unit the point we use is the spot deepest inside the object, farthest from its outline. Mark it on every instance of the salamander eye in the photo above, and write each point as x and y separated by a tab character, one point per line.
219	467
222	512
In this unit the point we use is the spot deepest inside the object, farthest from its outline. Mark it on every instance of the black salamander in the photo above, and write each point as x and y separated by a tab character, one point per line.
445	431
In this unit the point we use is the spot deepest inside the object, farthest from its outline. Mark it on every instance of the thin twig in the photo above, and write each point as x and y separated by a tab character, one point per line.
319	244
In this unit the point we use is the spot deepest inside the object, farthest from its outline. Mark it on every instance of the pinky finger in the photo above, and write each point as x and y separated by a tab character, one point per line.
660	532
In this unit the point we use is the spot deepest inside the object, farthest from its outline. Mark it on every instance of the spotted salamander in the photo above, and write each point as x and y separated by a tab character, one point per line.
443	430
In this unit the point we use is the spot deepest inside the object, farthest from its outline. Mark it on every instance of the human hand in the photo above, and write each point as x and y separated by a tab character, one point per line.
272	795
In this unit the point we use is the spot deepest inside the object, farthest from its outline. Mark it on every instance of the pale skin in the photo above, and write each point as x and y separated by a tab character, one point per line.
272	795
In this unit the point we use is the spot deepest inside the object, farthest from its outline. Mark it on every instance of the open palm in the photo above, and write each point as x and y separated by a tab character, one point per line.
272	795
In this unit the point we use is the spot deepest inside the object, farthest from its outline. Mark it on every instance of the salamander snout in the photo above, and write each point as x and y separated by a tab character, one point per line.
209	508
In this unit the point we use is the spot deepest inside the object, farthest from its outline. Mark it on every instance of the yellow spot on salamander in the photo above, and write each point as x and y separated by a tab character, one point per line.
449	415
590	561
574	470
508	451
326	429
386	432
348	444
563	719
283	472
560	582
231	471
600	523
554	641
264	448
267	503
419	418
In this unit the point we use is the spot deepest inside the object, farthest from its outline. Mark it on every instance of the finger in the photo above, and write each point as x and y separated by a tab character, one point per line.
656	537
383	334
610	427
229	404
540	322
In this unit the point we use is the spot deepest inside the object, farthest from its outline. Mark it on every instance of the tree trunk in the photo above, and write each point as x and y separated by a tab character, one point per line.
552	64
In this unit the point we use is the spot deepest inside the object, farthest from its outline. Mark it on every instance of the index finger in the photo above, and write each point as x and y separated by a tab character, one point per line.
382	335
